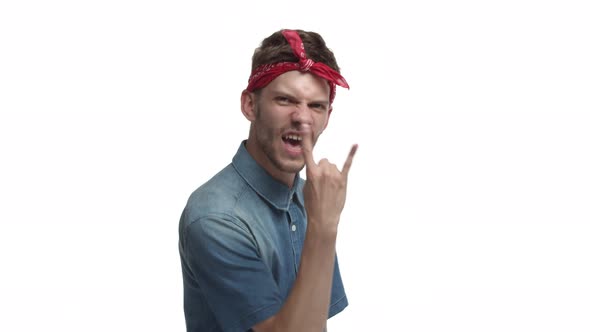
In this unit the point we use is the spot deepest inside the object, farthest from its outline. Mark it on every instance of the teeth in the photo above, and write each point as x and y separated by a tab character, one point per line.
293	137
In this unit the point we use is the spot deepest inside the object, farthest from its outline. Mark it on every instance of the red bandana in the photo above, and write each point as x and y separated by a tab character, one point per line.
264	74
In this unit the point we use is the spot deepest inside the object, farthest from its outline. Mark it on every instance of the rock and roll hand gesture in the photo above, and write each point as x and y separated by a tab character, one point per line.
325	187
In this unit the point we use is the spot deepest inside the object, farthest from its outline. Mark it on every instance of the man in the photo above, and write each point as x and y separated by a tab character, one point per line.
257	242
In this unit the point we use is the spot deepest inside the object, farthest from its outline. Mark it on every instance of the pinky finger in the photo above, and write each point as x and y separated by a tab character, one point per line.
348	162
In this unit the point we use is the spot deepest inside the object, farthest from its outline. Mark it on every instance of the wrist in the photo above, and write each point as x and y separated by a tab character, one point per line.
322	230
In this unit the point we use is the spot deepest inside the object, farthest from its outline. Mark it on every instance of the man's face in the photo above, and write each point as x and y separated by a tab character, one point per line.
281	109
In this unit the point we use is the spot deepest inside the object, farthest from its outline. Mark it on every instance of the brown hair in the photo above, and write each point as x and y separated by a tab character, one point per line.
275	48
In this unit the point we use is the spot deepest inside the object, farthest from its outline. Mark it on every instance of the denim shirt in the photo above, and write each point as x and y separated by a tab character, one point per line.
240	241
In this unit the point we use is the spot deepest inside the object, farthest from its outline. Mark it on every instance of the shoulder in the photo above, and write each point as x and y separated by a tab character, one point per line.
215	199
210	220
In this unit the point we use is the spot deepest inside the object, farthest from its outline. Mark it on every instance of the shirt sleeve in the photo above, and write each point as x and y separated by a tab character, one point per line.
223	257
338	300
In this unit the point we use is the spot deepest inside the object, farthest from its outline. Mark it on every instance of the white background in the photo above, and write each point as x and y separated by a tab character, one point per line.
468	206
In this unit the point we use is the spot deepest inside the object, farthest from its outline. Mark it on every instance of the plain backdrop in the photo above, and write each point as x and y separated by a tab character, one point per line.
468	205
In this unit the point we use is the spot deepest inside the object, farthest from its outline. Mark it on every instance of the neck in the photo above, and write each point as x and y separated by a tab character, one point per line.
261	159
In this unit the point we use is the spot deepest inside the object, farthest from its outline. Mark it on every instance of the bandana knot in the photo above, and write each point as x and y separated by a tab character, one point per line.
306	64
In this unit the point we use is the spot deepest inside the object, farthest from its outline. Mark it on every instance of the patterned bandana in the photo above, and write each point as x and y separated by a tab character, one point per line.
264	74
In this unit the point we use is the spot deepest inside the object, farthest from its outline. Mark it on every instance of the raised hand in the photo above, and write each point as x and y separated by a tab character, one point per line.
325	187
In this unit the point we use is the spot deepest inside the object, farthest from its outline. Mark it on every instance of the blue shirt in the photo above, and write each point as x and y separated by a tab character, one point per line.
240	241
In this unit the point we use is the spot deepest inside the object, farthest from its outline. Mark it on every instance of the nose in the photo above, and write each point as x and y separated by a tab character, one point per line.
302	115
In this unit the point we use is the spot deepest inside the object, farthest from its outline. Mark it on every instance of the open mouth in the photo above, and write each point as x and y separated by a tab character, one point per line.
293	140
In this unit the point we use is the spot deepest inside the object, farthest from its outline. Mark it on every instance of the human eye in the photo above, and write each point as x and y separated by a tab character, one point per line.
318	106
283	100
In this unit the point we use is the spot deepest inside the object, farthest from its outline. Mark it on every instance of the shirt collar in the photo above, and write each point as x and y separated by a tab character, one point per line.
276	193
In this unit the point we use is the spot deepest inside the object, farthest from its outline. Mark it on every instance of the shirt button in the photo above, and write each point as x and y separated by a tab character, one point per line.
293	227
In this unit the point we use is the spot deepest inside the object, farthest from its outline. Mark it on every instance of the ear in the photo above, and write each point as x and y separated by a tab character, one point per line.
247	101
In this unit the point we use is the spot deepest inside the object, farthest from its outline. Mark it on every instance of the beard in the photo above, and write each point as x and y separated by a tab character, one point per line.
271	149
269	140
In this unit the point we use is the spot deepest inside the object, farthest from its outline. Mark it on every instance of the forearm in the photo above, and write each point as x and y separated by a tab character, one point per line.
307	306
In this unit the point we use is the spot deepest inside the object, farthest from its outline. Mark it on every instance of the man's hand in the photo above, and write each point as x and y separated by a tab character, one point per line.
325	187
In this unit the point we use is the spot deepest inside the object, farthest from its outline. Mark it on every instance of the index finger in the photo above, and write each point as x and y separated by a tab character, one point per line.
307	147
348	162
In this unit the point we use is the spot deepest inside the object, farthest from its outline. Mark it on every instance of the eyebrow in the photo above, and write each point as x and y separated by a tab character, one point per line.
277	93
